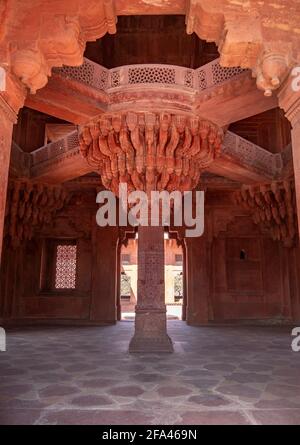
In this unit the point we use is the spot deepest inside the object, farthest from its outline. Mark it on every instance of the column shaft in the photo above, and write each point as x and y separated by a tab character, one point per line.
150	322
5	149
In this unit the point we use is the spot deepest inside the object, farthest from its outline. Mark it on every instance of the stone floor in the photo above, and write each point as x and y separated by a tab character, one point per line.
84	375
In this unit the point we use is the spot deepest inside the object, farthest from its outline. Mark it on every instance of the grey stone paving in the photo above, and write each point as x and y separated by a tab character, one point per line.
84	375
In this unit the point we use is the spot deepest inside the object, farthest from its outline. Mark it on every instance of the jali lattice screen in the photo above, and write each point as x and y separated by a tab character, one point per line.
65	273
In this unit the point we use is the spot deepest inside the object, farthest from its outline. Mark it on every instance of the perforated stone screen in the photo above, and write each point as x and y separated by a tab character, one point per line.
66	261
153	74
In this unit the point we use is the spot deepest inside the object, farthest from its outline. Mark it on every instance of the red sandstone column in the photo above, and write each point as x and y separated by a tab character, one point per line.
118	290
12	95
296	162
289	100
184	271
5	148
150	320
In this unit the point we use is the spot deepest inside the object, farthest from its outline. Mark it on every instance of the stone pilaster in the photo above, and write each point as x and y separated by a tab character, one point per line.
118	285
103	308
12	96
7	118
150	322
197	281
289	100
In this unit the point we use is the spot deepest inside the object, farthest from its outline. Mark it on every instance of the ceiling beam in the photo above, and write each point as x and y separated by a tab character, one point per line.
69	100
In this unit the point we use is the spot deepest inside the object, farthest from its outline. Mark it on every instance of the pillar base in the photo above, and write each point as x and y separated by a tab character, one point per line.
151	344
150	332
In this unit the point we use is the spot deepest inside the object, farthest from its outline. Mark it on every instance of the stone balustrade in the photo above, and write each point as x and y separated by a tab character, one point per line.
252	155
55	150
100	78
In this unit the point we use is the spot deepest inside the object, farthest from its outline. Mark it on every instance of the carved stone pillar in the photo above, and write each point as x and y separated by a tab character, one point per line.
184	271
11	99
7	118
118	290
5	144
289	100
150	320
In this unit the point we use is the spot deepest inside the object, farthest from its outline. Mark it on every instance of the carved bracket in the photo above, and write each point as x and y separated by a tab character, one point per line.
57	38
255	35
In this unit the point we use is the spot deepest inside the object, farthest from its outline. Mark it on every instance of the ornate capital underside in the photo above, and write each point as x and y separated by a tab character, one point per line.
150	151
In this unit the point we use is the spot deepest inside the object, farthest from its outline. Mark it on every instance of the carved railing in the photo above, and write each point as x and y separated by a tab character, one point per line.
252	155
20	162
100	78
54	152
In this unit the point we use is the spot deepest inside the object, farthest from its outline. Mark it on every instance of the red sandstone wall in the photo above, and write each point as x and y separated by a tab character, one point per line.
247	288
219	285
94	299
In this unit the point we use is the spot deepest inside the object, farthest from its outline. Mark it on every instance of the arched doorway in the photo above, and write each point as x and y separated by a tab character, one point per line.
174	278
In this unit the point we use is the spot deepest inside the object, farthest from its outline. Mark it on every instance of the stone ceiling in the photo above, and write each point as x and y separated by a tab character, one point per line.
151	39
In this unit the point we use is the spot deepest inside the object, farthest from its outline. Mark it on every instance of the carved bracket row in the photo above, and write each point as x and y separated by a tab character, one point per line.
273	207
31	206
